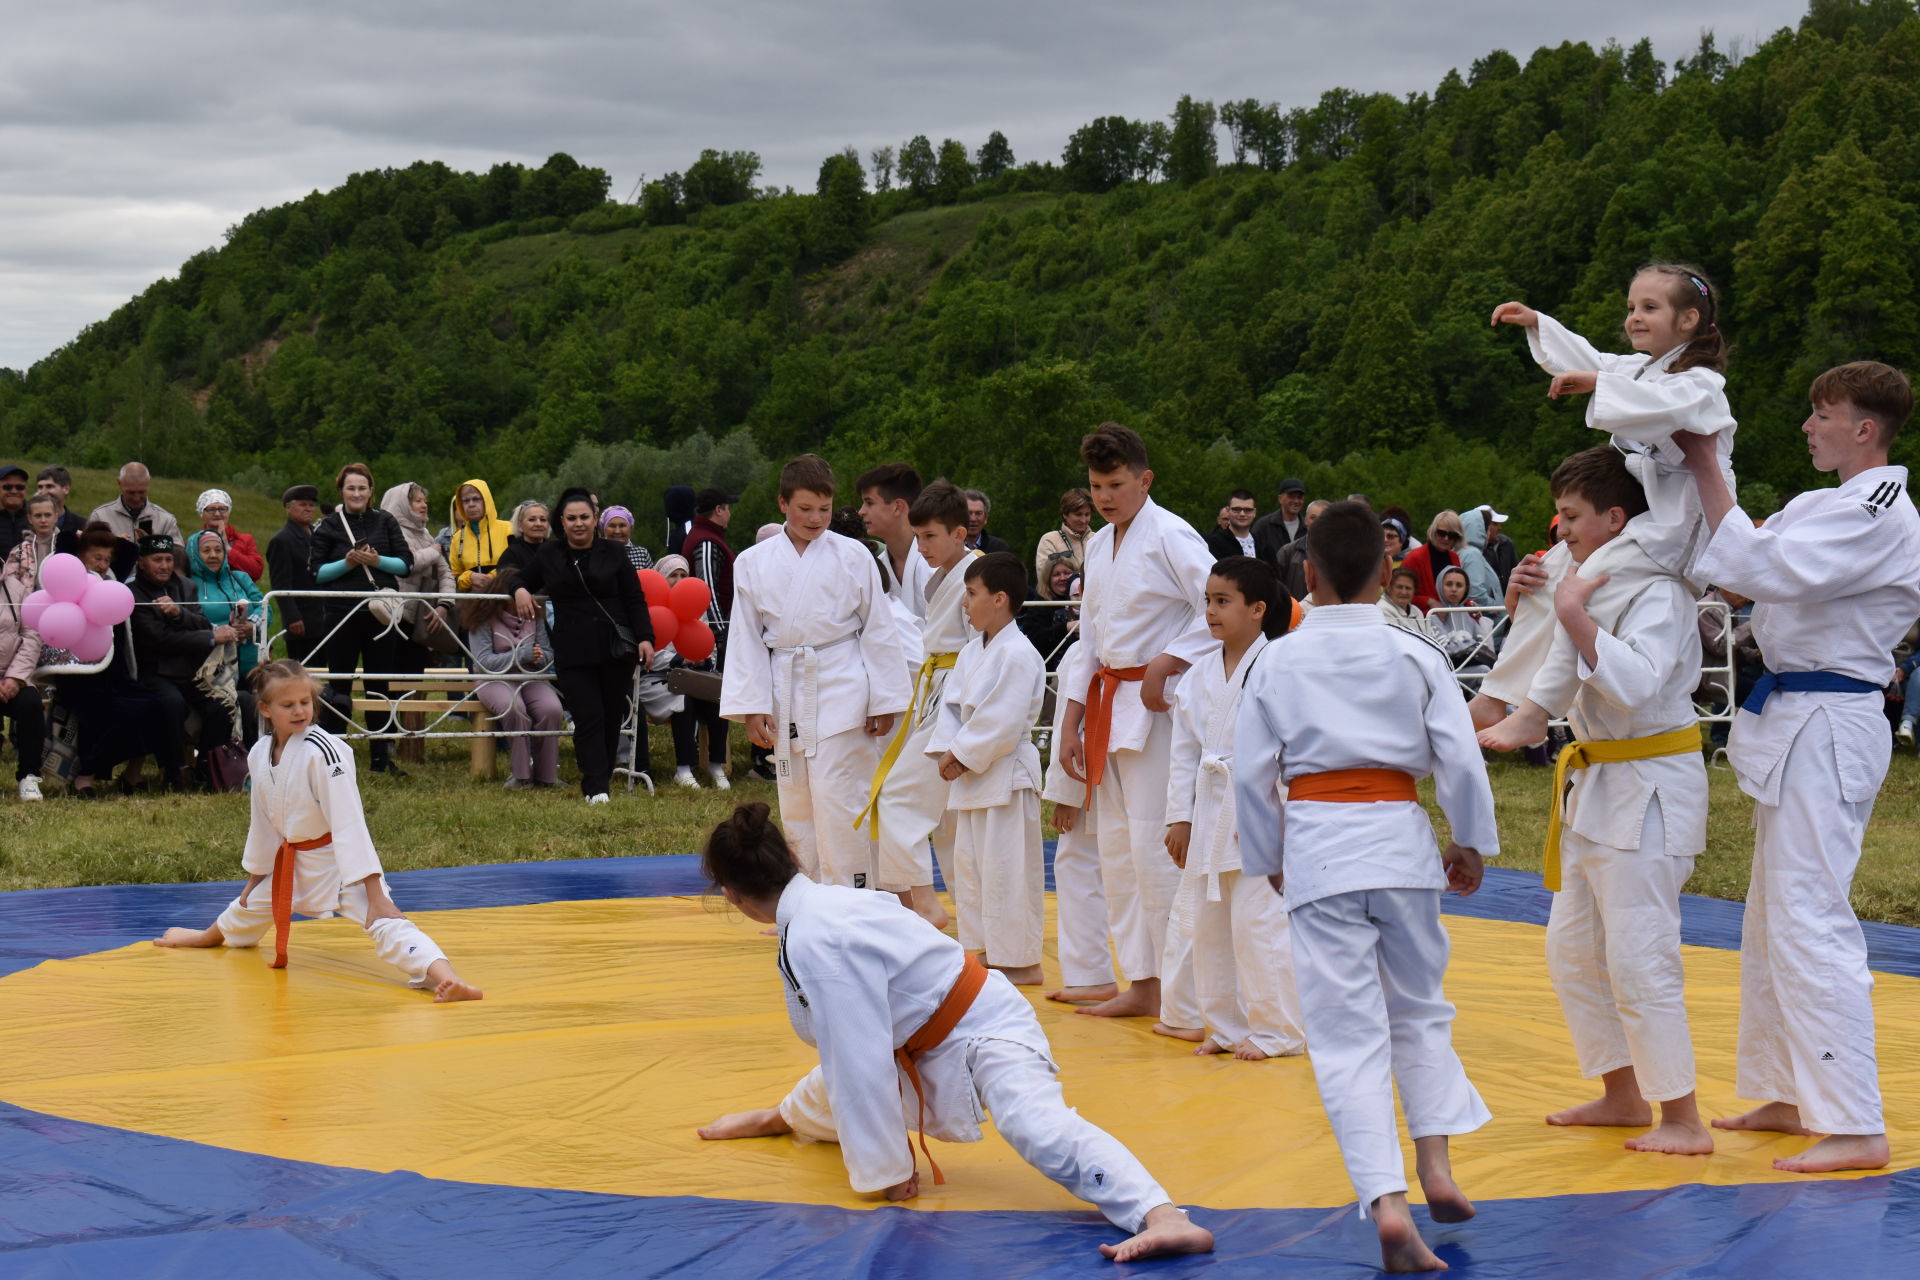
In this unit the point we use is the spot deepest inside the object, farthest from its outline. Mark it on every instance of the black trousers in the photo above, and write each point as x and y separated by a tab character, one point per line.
359	644
597	698
686	734
117	721
29	718
177	699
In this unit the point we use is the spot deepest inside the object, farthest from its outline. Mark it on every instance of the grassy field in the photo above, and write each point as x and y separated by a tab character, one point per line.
440	817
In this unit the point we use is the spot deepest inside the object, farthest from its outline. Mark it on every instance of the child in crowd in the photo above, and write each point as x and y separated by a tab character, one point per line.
861	976
983	741
1347	712
1635	820
1141	624
907	802
504	643
1242	956
308	847
815	671
1675	385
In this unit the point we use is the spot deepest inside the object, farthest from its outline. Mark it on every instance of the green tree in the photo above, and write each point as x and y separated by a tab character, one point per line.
882	161
953	172
1195	147
995	158
838	224
918	168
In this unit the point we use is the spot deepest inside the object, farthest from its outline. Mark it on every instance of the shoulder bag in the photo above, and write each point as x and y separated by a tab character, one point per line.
380	600
624	647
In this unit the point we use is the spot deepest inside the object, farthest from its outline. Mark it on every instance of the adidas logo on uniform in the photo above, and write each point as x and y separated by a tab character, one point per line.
1827	1056
1881	498
337	771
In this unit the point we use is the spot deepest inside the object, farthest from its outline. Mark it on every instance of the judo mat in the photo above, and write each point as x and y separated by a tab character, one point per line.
192	1112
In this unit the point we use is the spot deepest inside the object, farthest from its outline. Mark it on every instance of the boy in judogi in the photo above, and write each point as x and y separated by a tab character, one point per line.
982	743
1079	898
1635	820
1140	624
907	798
1241	955
1835	576
815	671
1347	711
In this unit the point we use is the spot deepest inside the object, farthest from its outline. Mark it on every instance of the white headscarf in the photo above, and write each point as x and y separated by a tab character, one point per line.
212	498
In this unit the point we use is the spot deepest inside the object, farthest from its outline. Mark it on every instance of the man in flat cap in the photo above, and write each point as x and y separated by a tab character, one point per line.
290	568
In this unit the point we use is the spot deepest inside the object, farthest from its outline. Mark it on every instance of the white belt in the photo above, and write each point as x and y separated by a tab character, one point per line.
1220	834
798	666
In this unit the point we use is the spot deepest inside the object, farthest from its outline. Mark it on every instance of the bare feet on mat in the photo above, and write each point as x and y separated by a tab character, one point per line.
1194	1034
923	902
1141	1000
1206	1048
1606	1113
1085	995
1839	1151
1027	975
1523	728
1768	1117
1674	1138
1248	1051
746	1124
448	990
178	937
1434	1166
1166	1231
1402	1251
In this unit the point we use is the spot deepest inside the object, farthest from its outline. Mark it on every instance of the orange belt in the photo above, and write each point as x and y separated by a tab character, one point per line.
973	976
1099	719
283	892
1353	786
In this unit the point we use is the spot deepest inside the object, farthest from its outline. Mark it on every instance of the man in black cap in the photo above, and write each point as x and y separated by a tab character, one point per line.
13	507
1284	524
172	637
710	559
290	568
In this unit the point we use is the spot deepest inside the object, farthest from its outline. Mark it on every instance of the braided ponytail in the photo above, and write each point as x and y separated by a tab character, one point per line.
748	854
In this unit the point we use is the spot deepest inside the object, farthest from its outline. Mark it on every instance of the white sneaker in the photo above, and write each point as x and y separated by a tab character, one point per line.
30	789
602	798
684	777
1905	735
719	775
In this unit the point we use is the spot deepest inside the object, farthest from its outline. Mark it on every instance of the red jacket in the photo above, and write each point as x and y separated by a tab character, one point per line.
243	555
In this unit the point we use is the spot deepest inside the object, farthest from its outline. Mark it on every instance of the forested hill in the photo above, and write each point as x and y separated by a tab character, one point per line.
1308	295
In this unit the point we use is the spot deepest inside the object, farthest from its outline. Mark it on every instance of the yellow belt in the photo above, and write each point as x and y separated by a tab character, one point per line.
1579	755
921	679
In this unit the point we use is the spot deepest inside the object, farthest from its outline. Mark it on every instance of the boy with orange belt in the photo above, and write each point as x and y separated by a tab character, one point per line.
1349	711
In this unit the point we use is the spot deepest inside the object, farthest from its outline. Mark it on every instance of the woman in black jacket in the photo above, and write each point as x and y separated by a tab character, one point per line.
358	547
596	597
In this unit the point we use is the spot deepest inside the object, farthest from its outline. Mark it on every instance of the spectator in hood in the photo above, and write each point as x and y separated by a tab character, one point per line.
408	504
479	536
682	506
1483	583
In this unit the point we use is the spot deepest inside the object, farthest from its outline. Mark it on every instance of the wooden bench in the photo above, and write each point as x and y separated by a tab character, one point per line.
438	691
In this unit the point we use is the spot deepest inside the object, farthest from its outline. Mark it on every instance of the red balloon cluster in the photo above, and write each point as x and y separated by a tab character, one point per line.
677	610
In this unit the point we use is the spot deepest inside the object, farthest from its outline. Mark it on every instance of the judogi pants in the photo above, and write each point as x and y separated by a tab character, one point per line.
1243	966
1370	966
1130	811
1000	885
819	799
1080	907
913	807
1179	994
1019	1090
317	892
1613	951
1806	995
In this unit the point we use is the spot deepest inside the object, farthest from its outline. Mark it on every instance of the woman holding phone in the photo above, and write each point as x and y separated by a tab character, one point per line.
358	547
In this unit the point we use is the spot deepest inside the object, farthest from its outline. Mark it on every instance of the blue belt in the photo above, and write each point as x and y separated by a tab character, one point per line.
1802	682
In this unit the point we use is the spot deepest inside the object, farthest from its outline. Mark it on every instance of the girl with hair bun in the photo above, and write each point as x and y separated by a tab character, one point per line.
915	1033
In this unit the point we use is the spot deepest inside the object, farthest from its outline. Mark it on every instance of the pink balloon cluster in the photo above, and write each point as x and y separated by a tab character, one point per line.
75	611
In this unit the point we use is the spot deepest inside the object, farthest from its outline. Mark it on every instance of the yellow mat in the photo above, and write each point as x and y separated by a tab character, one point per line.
612	1028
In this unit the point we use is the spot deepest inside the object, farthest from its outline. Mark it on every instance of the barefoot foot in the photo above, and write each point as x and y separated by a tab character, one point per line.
1085	995
1523	728
923	902
1248	1051
1402	1250
451	989
745	1124
1674	1138
1839	1151
1605	1113
1486	710
1194	1034
178	937
1207	1047
1768	1117
1167	1230
1446	1202
1141	1000
1027	975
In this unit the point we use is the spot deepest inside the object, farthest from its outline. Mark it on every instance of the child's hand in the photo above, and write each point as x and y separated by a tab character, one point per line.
1073	756
760	731
1515	313
1574	591
1065	818
950	767
1465	870
879	726
1528	577
1179	834
253	882
1574	382
1279	882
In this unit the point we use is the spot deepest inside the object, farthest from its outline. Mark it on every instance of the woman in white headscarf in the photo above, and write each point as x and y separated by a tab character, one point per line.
216	509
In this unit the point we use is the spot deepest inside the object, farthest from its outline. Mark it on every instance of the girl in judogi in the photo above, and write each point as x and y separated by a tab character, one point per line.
308	847
815	671
1347	712
982	746
1241	954
1676	384
914	1033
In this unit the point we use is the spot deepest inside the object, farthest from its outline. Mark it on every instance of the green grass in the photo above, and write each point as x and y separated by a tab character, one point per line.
440	817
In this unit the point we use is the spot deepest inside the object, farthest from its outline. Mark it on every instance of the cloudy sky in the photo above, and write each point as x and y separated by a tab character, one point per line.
132	133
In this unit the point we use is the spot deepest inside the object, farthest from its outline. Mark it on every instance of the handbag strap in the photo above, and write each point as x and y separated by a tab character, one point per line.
596	599
341	511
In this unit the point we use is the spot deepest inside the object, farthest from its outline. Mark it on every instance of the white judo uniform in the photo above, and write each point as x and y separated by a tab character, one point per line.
862	974
1640	402
310	793
986	719
912	804
1631	832
1242	952
1345	690
1142	599
1835	577
812	643
1079	898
